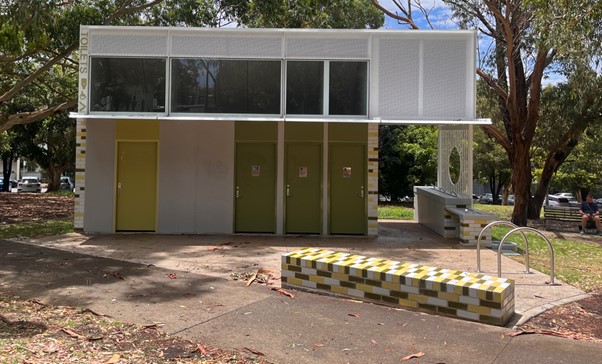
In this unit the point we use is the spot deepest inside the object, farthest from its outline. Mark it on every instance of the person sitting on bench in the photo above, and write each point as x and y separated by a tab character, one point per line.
589	212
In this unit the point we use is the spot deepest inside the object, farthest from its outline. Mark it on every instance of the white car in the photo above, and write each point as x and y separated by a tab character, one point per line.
29	184
557	201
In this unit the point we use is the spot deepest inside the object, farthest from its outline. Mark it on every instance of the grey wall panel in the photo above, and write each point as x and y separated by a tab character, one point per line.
100	176
196	178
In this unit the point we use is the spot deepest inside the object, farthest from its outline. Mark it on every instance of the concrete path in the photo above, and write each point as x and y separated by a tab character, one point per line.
182	282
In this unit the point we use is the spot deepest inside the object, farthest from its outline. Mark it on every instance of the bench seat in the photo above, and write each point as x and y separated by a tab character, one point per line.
556	213
471	296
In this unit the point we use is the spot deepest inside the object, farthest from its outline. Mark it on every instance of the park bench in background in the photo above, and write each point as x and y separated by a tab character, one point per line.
566	214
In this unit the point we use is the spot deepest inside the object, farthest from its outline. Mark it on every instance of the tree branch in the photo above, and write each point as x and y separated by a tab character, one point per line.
30	117
405	19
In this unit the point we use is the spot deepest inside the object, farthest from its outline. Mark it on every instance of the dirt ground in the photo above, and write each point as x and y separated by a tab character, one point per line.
581	320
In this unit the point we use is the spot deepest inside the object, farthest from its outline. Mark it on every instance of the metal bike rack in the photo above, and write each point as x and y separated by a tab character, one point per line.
507	223
521	229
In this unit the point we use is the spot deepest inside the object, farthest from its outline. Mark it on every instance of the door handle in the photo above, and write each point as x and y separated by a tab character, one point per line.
237	192
288	190
362	192
118	189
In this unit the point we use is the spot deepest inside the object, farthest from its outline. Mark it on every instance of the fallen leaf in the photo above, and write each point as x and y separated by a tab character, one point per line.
251	279
357	315
374	342
114	275
281	291
412	356
202	349
316	345
172	276
255	352
114	359
74	334
214	249
536	296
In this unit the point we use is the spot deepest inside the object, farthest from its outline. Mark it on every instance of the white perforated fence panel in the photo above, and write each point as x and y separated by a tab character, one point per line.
329	48
226	46
107	44
445	78
459	137
399	78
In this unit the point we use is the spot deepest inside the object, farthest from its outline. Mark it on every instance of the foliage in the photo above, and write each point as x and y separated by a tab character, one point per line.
309	14
407	158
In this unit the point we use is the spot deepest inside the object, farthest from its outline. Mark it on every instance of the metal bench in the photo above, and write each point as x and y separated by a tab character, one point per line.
568	214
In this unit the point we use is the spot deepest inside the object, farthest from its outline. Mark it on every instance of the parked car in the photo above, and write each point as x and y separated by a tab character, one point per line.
510	200
557	201
475	198
12	183
66	183
565	194
29	184
488	199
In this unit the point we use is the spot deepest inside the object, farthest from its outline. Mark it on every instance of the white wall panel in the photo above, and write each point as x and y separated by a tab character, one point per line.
100	176
226	46
327	48
445	79
111	44
399	78
196	178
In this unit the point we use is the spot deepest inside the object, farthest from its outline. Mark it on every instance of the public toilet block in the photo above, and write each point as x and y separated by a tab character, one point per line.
271	131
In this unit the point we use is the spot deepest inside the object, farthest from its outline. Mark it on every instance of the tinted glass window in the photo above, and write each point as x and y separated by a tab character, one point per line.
225	86
304	87
348	88
127	84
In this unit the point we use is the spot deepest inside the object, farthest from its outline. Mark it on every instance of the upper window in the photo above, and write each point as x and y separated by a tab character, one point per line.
304	87
346	89
225	86
127	84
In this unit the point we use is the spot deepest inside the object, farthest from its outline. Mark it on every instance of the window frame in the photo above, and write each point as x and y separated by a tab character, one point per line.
165	111
235	116
326	91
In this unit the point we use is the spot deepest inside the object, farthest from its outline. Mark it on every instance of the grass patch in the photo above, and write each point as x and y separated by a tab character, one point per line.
37	229
576	262
395	212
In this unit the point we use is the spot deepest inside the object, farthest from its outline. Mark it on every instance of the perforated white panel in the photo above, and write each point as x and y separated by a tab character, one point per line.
331	48
128	45
445	78
459	137
398	78
226	47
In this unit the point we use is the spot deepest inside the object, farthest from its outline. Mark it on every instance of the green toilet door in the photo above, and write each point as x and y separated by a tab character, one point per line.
255	190
348	189
303	188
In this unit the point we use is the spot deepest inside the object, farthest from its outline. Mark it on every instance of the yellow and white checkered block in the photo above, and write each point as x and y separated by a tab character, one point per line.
471	296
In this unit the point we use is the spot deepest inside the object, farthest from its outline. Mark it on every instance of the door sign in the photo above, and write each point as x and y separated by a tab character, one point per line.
346	172
302	172
255	171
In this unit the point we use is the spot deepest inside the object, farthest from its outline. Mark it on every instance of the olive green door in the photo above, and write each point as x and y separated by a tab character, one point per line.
255	189
303	188
136	200
347	177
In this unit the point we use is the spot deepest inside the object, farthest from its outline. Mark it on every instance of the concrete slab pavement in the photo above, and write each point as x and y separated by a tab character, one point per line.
309	329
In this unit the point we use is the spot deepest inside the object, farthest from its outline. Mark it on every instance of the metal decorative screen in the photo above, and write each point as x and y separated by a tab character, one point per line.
460	138
226	46
444	79
399	78
108	44
327	48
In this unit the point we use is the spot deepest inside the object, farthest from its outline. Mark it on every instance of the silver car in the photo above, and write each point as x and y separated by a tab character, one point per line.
29	184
